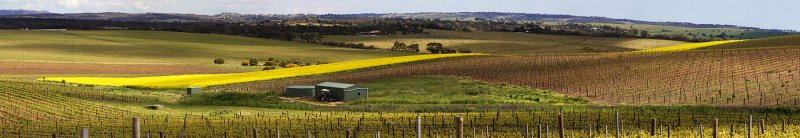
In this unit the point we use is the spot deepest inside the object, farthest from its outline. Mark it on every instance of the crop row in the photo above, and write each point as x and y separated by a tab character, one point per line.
33	109
764	77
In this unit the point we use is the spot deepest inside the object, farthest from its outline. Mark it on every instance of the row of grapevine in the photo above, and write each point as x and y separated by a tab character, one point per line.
34	109
749	77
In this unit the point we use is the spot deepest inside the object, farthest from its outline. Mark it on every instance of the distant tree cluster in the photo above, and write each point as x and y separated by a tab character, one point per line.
312	30
273	63
400	46
438	48
348	45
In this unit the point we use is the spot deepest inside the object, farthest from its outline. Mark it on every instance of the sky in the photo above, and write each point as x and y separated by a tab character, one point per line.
770	14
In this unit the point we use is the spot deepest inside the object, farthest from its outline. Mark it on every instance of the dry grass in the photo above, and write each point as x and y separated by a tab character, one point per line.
512	43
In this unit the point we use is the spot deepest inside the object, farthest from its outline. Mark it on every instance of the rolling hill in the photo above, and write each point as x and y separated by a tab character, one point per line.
511	43
153	47
784	41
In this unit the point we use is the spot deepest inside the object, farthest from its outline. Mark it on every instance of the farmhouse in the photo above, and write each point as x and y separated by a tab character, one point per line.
328	91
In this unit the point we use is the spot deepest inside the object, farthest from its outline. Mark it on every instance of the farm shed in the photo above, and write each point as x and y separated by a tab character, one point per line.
192	90
299	91
331	91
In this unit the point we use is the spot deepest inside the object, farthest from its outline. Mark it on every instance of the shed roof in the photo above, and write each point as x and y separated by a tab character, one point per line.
301	87
336	85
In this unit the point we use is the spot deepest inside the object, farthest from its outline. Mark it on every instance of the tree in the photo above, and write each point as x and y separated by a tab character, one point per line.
398	46
645	34
414	48
253	62
219	61
435	47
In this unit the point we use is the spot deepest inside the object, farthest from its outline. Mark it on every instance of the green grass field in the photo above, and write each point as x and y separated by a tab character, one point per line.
153	47
455	90
511	43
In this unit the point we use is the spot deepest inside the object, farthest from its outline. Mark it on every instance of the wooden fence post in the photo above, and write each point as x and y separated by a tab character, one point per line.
527	132
669	131
419	126
732	130
716	128
750	127
561	125
652	127
783	125
459	127
85	133
761	128
136	128
539	132
255	133
700	125
616	120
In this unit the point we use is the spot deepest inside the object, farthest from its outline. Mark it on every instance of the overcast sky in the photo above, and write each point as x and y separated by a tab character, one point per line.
776	14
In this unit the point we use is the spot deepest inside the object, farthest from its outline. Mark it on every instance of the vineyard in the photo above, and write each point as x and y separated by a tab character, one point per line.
755	78
35	109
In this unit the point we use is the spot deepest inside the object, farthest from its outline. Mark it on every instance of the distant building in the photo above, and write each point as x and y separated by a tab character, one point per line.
374	32
113	28
192	90
328	91
299	91
57	30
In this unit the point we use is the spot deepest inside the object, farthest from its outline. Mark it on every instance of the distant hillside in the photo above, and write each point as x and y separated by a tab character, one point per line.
792	40
235	17
509	42
549	18
20	12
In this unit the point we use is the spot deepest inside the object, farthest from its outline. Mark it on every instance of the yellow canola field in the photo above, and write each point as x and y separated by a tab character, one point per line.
686	47
204	80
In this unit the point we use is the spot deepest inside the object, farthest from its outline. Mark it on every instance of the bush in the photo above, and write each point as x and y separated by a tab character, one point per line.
269	63
253	62
269	68
219	61
245	63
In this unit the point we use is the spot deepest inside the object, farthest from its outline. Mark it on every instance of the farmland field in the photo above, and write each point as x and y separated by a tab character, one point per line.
203	80
740	77
35	109
690	46
306	75
153	47
511	43
784	41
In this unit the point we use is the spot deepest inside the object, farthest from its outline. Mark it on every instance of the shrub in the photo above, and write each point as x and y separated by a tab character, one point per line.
269	68
245	63
253	62
219	61
269	63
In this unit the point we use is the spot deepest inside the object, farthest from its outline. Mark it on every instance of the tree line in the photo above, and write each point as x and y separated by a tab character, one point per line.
312	30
